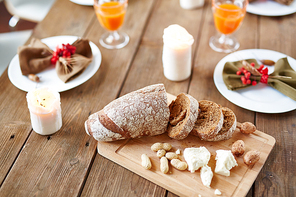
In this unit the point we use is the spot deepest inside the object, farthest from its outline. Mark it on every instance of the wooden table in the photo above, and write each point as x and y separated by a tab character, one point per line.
67	163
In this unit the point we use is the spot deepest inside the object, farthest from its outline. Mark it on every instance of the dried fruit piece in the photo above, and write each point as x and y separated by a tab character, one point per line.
251	157
247	128
238	148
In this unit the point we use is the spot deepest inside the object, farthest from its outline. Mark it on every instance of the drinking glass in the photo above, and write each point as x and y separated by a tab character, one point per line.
228	16
110	14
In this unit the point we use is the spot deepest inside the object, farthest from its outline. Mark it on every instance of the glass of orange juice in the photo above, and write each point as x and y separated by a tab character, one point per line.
110	14
228	16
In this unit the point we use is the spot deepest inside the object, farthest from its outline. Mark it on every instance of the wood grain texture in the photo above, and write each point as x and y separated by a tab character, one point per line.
278	177
184	183
74	20
105	86
67	163
147	69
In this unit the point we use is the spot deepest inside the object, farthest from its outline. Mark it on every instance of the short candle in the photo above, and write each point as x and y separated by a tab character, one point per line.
176	55
45	110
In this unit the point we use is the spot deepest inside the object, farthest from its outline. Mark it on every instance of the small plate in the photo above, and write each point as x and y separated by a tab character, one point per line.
49	77
259	98
271	8
84	2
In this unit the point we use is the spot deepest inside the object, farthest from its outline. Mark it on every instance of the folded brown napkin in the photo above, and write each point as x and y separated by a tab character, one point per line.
36	58
276	79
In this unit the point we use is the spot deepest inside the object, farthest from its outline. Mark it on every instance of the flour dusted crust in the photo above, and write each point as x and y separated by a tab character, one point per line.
184	112
229	125
143	112
209	121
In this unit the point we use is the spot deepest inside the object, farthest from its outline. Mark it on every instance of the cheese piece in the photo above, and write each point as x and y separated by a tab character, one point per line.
225	161
217	192
206	175
196	157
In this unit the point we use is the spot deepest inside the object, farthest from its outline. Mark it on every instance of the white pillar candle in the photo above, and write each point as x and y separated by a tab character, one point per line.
191	4
45	110
176	56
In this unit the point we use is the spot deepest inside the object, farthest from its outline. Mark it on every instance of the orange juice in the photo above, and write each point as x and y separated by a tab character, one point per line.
228	17
111	14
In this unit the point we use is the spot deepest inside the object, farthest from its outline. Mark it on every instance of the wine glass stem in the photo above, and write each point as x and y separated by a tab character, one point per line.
115	35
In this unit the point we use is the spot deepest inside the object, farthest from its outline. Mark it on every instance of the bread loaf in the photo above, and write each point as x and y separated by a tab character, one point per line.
209	121
144	112
184	112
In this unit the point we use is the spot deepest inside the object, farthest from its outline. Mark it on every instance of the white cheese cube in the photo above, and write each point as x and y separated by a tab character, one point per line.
225	161
196	157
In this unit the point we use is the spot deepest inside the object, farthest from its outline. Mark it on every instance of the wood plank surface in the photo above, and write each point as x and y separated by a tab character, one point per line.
67	163
184	183
278	177
58	165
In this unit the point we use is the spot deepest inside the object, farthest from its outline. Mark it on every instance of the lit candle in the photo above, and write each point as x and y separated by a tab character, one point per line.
45	111
191	4
176	56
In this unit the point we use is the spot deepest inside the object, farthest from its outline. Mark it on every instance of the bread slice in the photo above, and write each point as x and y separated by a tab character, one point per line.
209	121
229	125
183	115
144	112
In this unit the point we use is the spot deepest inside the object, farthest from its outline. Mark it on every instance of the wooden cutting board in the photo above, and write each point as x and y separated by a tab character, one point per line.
127	153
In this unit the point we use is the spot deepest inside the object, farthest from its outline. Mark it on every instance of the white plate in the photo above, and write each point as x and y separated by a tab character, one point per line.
259	98
271	8
49	77
84	2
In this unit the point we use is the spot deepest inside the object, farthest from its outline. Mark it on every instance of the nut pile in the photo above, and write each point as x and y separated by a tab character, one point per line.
162	152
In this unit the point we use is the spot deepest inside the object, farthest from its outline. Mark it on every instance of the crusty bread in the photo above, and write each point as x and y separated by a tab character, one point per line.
144	112
209	121
229	125
184	112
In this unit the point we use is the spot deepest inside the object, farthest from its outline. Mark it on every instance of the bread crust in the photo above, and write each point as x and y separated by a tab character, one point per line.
143	112
181	125
228	128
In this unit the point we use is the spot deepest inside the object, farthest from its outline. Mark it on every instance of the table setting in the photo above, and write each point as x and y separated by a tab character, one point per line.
90	94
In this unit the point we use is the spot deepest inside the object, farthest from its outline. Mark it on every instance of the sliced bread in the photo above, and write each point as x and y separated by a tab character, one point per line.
209	121
229	125
183	115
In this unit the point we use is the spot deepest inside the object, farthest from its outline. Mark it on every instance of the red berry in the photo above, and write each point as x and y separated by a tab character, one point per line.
252	64
264	71
239	72
245	71
247	75
264	79
254	83
248	81
244	80
260	68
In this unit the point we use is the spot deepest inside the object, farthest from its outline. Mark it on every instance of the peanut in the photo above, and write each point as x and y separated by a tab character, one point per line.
171	155
158	146
180	165
247	128
146	163
160	153
167	146
164	165
238	148
251	157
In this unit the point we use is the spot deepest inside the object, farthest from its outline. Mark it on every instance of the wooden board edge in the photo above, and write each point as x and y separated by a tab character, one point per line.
253	173
146	174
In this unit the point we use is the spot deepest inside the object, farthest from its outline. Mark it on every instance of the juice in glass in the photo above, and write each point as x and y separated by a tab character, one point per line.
228	17
111	14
